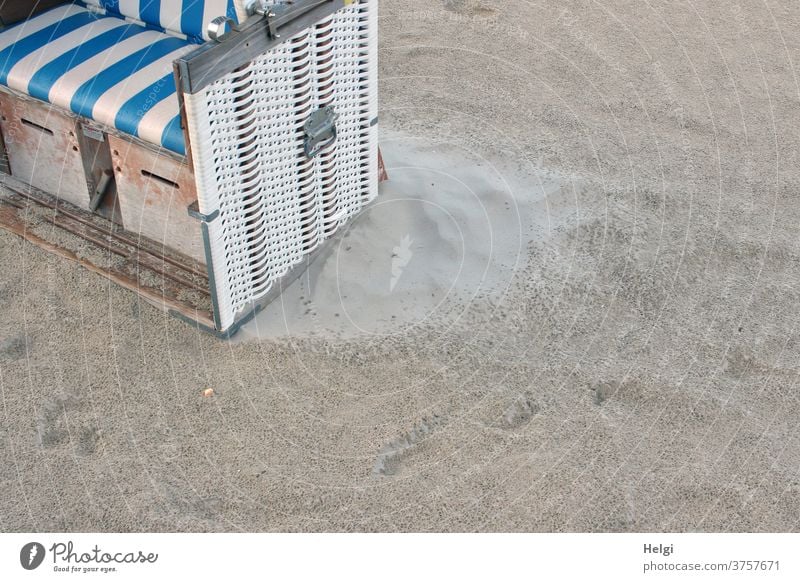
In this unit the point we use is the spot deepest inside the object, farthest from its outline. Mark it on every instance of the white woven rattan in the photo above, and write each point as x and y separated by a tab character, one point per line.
276	205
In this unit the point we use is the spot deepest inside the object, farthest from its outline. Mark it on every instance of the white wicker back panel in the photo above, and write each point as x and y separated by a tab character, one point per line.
275	204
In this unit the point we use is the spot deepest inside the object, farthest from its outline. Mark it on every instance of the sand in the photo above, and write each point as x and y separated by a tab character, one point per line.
449	230
574	308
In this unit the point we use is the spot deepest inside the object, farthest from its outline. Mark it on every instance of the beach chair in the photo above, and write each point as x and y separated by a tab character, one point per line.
214	143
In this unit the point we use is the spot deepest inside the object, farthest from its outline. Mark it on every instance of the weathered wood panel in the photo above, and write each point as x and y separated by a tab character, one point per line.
154	193
43	149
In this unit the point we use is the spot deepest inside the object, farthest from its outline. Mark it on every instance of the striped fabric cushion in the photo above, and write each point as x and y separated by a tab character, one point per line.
186	17
100	67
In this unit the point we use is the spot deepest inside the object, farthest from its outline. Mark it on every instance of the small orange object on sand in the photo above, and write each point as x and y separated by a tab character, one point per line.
208	392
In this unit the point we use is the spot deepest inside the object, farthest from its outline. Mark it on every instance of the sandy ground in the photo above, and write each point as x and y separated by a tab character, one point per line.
575	307
449	230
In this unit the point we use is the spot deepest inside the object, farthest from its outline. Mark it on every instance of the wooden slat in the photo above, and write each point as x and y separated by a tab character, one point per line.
24	217
142	245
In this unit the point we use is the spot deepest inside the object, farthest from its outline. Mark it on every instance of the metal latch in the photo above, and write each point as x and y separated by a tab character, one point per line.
277	14
320	130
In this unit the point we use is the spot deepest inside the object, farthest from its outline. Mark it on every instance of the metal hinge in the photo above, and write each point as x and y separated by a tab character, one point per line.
194	212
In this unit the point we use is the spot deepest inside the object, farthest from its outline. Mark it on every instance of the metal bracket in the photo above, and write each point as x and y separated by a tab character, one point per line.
218	26
320	130
103	187
194	212
281	13
93	132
